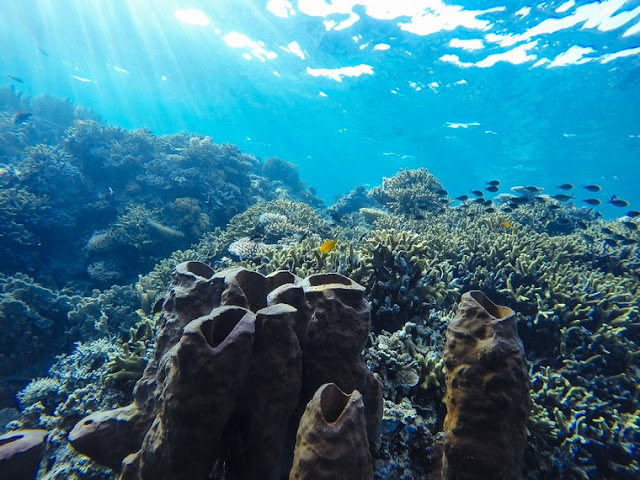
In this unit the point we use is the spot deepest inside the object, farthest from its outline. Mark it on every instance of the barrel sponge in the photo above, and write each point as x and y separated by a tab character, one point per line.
332	438
487	393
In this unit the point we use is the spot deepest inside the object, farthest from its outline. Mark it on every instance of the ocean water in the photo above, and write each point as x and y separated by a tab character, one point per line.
471	90
376	139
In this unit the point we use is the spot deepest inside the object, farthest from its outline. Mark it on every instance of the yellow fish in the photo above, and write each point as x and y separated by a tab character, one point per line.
327	246
505	224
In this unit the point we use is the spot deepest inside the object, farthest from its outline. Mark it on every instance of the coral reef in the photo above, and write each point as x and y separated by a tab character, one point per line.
412	193
130	197
404	276
356	200
84	206
35	322
75	387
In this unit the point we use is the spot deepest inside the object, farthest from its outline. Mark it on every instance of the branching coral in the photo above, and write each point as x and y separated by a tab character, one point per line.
402	277
110	312
266	221
75	387
412	193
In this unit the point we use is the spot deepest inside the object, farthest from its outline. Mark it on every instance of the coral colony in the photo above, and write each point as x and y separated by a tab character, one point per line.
174	308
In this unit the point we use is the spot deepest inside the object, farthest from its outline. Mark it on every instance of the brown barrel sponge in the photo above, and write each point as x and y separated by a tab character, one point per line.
332	438
487	393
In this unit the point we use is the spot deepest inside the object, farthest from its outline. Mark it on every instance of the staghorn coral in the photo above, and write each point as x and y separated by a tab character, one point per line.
585	433
403	277
305	258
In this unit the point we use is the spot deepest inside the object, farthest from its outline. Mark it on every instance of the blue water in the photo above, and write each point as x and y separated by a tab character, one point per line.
94	218
425	101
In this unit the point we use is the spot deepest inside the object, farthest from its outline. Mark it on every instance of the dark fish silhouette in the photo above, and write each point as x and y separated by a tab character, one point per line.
442	192
15	79
607	231
43	52
479	201
618	202
520	200
566	186
582	224
494	183
633	213
631	225
477	193
562	197
21	117
488	202
587	238
611	242
534	189
462	198
592	201
629	241
593	188
157	307
554	206
492	188
490	210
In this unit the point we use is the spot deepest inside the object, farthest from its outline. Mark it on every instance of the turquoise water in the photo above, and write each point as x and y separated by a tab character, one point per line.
151	151
529	93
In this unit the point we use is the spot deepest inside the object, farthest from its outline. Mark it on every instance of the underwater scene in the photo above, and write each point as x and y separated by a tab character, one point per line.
319	239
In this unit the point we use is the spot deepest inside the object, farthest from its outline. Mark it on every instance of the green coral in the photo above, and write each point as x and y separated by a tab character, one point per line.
403	275
301	220
412	193
127	364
